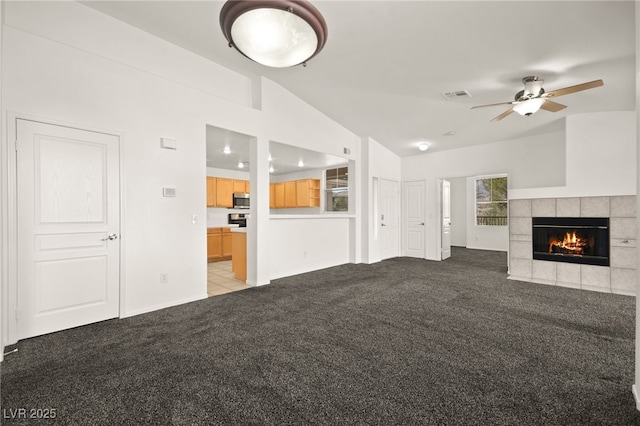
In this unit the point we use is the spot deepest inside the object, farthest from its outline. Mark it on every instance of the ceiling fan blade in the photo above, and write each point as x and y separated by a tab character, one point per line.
490	105
503	115
548	105
573	89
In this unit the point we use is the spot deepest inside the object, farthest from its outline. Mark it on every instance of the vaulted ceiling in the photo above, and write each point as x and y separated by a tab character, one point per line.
386	64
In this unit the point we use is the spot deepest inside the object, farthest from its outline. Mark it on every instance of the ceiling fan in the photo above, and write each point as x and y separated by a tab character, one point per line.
533	97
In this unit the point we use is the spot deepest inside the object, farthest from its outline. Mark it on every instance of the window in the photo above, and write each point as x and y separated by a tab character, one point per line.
491	201
337	189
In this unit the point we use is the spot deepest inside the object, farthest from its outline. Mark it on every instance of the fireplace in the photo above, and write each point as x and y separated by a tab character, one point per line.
571	239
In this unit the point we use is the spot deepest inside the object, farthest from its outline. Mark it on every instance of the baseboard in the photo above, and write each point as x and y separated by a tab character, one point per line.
636	397
162	306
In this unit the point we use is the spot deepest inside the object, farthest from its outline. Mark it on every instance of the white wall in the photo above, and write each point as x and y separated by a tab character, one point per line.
71	64
3	211
522	159
380	163
637	345
309	242
600	159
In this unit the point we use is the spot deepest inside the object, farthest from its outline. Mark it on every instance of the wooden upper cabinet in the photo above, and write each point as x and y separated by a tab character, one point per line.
302	193
295	193
211	191
279	195
224	195
290	194
272	195
240	186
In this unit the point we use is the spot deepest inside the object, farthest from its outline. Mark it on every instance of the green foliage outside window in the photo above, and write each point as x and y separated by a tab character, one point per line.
491	201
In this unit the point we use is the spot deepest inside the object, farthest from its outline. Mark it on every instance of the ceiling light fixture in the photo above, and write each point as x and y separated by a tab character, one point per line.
271	169
226	150
275	33
241	165
423	146
528	107
300	163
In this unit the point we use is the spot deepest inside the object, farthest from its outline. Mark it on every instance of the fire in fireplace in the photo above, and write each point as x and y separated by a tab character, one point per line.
571	239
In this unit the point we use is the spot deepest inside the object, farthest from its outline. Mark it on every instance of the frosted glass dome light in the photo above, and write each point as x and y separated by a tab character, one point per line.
528	107
276	33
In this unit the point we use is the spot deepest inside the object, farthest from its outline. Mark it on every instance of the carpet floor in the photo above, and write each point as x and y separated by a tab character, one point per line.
401	342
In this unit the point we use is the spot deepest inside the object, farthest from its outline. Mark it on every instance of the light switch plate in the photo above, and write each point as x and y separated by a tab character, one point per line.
168	143
168	192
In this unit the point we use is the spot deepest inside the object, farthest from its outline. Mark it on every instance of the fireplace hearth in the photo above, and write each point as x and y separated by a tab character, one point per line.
571	239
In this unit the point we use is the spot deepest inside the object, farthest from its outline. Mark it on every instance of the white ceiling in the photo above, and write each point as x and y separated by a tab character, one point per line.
386	63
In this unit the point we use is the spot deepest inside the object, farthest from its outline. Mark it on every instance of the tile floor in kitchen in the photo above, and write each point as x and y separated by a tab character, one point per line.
220	279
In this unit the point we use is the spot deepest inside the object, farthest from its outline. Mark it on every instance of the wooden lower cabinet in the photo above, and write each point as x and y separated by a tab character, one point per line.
218	244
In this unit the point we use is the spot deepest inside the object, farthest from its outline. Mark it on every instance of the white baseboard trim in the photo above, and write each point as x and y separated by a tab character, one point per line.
162	306
636	397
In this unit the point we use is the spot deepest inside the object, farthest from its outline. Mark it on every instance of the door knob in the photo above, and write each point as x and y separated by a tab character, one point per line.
110	237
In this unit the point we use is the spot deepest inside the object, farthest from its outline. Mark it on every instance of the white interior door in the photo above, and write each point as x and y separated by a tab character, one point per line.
68	227
389	218
413	215
446	219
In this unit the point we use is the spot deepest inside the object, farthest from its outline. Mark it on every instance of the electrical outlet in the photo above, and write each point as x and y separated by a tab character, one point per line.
164	278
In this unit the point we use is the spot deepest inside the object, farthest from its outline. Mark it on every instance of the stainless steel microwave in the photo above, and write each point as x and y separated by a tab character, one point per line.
240	200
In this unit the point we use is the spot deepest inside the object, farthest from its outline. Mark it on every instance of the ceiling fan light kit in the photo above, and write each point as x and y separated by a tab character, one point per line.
275	33
534	97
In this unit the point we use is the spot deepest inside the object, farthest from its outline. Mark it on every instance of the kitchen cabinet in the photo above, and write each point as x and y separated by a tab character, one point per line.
290	194
278	195
211	191
220	190
308	193
295	193
226	243
224	192
219	244
241	186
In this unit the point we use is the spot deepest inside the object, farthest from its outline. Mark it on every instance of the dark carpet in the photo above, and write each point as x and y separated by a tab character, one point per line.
401	342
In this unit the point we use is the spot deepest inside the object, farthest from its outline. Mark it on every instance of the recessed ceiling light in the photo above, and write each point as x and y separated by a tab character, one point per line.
423	146
300	163
241	165
271	169
270	158
226	150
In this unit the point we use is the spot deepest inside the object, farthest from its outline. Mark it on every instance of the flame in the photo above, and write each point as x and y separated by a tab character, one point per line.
572	244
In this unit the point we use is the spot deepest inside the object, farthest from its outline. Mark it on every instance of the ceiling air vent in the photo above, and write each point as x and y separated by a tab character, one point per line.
456	94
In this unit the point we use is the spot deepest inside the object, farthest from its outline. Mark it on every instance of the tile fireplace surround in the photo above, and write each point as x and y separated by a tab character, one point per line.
619	277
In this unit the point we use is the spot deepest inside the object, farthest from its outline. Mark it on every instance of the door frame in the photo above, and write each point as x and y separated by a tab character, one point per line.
9	248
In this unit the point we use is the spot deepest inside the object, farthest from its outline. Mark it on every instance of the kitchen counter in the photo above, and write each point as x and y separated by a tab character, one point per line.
221	225
241	230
